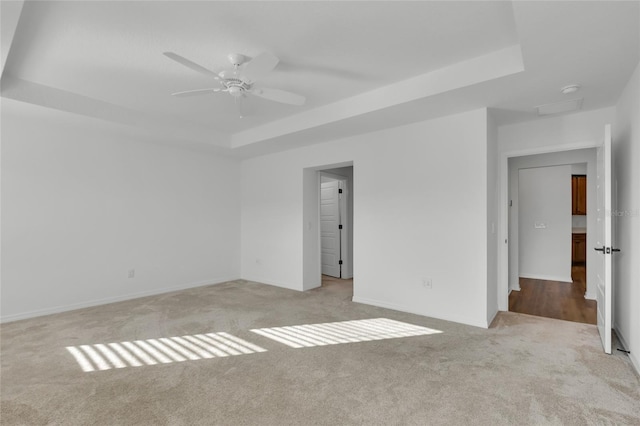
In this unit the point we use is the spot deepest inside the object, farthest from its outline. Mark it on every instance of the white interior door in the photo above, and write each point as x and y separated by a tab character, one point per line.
329	227
603	240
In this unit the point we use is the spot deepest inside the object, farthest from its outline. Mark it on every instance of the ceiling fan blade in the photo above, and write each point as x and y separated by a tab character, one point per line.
195	92
190	64
280	96
258	67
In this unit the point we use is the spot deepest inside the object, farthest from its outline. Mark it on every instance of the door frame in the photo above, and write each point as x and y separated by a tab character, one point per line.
503	211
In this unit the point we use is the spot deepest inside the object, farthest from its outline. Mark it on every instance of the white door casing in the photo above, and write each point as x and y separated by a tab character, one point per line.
604	240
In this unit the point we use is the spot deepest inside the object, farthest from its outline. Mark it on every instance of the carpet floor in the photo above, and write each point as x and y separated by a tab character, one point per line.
191	358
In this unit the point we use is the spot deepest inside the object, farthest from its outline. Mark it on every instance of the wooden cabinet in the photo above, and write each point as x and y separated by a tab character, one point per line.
578	195
579	248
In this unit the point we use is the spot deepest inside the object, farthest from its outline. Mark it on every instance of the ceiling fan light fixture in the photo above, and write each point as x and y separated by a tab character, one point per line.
235	91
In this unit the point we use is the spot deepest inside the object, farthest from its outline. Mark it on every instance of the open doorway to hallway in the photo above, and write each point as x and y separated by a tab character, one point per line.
548	237
328	224
336	229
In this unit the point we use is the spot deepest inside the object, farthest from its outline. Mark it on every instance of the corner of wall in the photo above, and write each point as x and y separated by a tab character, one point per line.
633	357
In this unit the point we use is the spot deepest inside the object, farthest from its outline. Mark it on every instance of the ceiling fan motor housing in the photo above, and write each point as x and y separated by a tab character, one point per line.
236	59
233	84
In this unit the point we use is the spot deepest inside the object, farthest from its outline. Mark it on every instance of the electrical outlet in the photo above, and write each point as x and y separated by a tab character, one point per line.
427	283
131	273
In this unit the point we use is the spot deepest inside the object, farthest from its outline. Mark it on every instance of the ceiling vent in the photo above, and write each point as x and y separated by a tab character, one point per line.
560	107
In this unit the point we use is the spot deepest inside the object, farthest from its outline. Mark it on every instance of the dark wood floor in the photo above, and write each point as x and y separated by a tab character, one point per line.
555	299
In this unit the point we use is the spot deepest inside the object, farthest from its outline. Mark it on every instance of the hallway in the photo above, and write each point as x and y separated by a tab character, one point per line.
554	299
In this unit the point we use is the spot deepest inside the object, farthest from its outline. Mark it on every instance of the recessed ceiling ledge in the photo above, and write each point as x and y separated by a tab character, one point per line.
494	65
62	100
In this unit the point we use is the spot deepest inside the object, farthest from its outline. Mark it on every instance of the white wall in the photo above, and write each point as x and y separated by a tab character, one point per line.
558	132
493	195
626	153
579	169
553	134
422	218
545	223
311	242
581	156
82	204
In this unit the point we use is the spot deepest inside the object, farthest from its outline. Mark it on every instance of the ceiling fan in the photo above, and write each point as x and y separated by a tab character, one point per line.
239	81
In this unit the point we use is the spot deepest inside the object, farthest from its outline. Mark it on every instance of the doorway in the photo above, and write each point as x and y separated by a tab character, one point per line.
544	280
328	199
599	236
335	228
336	231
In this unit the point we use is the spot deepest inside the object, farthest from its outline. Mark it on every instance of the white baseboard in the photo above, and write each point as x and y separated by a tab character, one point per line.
107	300
270	282
547	277
589	296
632	356
491	317
395	307
318	285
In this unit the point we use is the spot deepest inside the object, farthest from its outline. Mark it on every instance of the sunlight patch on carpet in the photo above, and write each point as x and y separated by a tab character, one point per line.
163	350
333	333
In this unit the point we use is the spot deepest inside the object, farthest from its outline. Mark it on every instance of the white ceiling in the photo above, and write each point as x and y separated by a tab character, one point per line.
362	65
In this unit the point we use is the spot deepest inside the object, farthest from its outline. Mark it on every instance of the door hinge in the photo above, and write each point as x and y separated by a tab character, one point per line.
339	226
339	190
339	262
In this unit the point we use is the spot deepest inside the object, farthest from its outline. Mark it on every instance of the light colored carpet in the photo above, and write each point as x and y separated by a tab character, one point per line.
523	370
